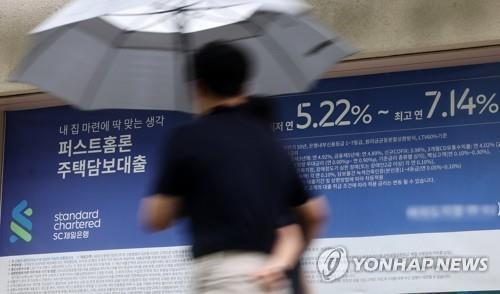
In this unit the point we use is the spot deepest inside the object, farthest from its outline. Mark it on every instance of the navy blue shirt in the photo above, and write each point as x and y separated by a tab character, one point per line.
236	181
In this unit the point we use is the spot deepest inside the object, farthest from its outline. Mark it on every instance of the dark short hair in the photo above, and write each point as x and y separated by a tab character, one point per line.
222	68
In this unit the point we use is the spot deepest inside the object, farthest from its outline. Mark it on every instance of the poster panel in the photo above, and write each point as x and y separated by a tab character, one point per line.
409	162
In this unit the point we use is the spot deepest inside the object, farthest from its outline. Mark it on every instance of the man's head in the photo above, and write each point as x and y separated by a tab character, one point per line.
221	71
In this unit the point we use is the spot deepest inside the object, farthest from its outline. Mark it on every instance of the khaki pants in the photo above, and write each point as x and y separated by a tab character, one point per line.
228	273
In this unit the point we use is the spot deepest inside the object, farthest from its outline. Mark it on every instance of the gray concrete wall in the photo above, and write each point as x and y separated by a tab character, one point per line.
377	27
387	27
17	18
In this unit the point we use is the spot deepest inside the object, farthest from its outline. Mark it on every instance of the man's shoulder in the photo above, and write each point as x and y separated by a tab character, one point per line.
189	131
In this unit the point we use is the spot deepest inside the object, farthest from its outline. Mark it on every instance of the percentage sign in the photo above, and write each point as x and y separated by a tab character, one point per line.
361	115
487	103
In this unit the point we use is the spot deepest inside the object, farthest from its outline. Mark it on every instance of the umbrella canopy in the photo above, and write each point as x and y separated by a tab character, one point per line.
133	54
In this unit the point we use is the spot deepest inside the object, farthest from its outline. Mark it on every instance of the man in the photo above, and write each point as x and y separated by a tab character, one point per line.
227	173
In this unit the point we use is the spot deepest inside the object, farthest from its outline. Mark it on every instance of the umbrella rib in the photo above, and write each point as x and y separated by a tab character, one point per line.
180	9
320	47
189	50
43	45
298	76
89	94
218	7
243	38
149	25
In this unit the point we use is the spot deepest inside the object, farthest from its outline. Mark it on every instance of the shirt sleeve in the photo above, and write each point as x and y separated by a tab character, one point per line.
286	218
173	176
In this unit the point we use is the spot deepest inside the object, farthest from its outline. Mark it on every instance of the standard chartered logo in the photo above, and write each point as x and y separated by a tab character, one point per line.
20	225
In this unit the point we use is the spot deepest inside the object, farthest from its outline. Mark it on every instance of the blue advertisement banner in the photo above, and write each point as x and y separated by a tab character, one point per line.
399	153
82	175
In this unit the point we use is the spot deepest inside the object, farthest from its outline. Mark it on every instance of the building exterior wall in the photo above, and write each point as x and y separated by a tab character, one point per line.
377	27
391	27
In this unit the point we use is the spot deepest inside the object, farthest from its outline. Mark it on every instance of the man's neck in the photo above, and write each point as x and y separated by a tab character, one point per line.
208	104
